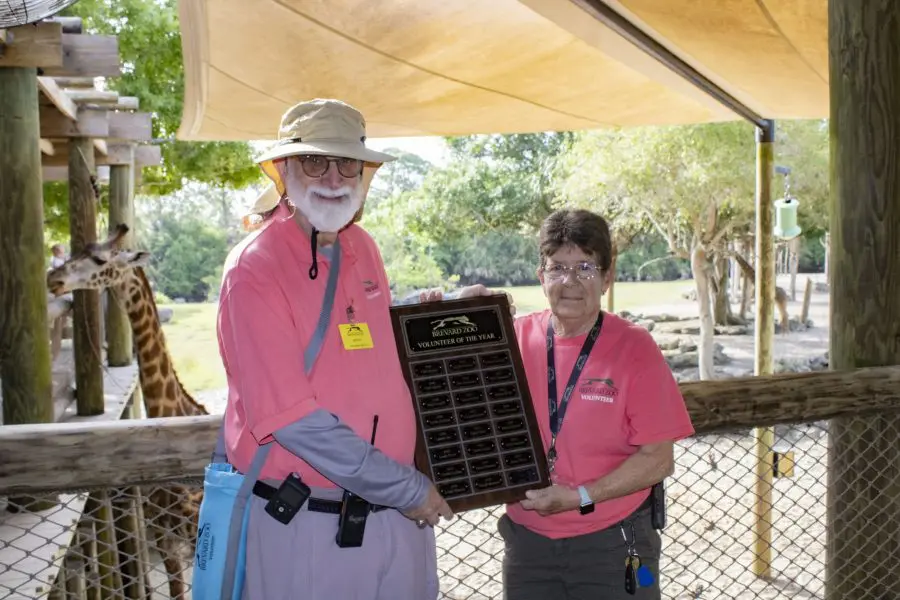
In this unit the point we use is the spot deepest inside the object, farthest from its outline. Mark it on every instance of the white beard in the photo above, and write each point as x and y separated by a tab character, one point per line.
327	215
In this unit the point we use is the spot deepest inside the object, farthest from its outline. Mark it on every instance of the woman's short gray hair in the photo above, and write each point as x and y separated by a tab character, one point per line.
578	227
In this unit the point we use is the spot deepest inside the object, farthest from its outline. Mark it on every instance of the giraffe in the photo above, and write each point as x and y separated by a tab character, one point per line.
171	512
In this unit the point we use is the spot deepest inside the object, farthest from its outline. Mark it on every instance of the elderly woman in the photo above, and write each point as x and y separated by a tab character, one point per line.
609	412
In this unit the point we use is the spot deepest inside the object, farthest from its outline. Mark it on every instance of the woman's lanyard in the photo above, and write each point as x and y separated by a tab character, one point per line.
558	413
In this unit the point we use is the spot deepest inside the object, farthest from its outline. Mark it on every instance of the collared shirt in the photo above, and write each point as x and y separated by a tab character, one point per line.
626	397
268	312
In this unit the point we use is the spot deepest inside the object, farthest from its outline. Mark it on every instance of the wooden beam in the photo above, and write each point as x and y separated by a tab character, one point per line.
90	123
86	340
39	45
69	24
37	458
25	371
61	173
88	56
83	96
119	154
104	154
863	500
147	156
136	126
58	97
75	82
127	103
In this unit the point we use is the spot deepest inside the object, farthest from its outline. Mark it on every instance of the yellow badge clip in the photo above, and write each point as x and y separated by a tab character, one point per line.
355	336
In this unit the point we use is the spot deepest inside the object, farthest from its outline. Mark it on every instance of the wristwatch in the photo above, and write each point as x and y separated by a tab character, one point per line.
587	505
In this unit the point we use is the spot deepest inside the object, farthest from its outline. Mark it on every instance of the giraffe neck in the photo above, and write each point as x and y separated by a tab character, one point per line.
164	396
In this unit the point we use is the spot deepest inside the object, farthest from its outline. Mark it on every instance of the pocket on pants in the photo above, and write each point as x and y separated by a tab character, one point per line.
432	581
504	527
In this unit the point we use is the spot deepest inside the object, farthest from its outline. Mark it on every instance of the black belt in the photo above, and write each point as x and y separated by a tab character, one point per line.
266	491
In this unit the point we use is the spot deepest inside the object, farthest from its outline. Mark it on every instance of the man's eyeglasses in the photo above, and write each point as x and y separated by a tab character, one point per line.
316	166
582	270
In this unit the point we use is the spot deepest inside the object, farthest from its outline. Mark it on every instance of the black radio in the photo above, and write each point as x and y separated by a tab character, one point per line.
288	499
354	512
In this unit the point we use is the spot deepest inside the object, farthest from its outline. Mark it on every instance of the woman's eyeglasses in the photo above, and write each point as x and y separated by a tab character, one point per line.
316	166
582	270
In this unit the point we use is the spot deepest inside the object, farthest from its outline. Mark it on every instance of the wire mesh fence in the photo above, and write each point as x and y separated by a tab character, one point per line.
90	545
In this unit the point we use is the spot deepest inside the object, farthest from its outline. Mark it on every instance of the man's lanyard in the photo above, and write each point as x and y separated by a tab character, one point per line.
558	413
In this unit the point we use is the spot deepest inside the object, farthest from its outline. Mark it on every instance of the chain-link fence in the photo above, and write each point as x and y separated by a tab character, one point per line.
89	545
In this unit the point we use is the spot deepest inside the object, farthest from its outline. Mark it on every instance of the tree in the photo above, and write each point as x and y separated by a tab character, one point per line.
402	175
150	49
694	186
481	212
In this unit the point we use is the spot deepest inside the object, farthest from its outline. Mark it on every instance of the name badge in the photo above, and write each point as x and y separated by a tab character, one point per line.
355	336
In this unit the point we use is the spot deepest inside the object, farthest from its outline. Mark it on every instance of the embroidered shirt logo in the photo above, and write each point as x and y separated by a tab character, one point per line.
371	288
598	389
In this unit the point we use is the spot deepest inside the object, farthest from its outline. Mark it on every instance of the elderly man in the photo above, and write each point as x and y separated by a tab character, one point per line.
306	339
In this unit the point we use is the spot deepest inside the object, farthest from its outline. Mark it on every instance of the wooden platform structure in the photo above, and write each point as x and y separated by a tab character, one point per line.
36	542
58	122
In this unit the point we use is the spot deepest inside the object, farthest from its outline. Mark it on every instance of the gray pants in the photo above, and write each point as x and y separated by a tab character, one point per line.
301	561
585	567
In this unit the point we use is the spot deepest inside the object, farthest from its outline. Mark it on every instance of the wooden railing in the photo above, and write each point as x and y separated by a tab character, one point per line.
35	458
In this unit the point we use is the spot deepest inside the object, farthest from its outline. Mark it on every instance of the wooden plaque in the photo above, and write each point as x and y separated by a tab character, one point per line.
478	437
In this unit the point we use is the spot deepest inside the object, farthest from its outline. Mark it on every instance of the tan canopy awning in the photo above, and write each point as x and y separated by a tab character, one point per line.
451	67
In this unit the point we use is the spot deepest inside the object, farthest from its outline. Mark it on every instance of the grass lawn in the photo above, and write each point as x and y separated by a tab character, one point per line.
191	334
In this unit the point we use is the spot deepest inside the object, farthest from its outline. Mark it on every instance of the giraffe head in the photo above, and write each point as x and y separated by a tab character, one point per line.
97	266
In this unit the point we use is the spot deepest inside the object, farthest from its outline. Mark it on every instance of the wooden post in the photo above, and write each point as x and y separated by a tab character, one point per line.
24	328
864	453
764	339
86	341
121	210
807	298
793	249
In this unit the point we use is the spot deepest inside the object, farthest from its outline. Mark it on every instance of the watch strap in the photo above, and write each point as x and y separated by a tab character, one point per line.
585	497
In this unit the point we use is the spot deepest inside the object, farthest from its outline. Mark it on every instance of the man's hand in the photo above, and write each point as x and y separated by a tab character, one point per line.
434	295
551	500
432	509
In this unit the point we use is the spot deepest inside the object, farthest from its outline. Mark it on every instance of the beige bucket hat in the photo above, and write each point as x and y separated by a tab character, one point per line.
321	126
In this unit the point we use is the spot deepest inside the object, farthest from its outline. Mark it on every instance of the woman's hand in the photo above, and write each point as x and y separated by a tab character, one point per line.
480	290
551	500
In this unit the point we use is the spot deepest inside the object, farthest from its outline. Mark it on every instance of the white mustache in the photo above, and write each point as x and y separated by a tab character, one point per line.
324	192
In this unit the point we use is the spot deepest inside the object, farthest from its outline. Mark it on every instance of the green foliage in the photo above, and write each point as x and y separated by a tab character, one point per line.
402	175
406	254
188	254
647	257
687	183
803	147
150	50
691	184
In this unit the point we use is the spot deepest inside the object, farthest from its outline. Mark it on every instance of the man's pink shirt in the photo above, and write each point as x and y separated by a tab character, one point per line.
268	312
625	397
